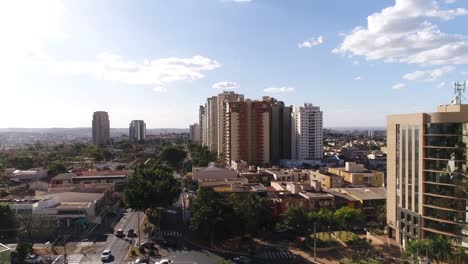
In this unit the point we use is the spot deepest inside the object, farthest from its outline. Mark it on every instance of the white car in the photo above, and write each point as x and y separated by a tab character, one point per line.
164	261
34	259
106	255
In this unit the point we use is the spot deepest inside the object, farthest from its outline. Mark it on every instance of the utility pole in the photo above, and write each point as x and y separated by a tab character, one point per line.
149	243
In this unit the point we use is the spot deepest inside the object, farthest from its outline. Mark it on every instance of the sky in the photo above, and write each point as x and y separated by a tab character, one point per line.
158	60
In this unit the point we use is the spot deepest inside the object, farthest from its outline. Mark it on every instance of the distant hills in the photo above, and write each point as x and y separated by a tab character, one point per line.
86	131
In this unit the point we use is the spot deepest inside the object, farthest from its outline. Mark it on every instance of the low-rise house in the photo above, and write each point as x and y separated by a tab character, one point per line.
369	200
342	199
358	176
66	207
282	201
318	200
213	172
326	179
25	176
289	175
89	177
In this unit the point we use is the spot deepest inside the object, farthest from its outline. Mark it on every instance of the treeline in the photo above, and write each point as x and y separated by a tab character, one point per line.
200	155
217	216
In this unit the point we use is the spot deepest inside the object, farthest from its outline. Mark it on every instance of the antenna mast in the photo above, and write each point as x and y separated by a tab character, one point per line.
459	90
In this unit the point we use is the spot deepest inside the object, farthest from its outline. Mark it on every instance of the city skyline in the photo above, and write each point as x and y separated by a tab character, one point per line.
154	60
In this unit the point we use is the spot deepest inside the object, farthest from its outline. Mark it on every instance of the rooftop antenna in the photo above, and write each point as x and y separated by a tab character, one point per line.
459	90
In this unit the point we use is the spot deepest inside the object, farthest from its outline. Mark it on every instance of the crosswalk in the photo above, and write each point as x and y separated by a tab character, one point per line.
167	233
74	258
279	255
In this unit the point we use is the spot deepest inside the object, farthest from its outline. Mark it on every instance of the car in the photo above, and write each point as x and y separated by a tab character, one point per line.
131	233
164	261
106	255
34	259
119	233
242	259
141	261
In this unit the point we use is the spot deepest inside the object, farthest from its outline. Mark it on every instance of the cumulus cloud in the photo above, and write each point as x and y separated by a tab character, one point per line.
241	1
112	67
403	33
283	89
428	75
357	78
226	85
312	42
465	72
398	86
450	1
355	62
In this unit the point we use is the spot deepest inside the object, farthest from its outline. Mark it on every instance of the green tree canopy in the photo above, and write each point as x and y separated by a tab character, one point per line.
8	221
174	156
151	187
294	219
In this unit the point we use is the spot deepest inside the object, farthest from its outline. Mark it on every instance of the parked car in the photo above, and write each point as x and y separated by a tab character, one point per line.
119	233
242	260
131	233
141	261
106	255
164	261
34	259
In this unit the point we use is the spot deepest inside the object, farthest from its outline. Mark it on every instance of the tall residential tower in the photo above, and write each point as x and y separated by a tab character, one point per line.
101	128
307	134
137	131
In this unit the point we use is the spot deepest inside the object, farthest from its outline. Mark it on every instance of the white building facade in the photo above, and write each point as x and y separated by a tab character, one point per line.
307	134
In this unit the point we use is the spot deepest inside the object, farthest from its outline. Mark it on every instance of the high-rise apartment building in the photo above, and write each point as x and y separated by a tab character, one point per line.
195	133
280	130
211	115
222	101
101	128
201	116
248	132
427	178
307	134
137	131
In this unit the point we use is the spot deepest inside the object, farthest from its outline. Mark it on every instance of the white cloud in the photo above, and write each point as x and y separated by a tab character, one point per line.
356	62
357	78
226	85
312	42
429	75
283	89
403	33
160	89
465	72
398	86
241	1
450	1
111	67
441	84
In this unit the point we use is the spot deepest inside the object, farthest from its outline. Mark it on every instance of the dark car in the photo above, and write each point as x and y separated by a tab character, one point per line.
131	233
242	260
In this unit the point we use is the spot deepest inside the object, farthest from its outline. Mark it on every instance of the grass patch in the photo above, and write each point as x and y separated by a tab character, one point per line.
360	261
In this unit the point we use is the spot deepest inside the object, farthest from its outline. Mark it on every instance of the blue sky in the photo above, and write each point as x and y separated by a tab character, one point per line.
158	60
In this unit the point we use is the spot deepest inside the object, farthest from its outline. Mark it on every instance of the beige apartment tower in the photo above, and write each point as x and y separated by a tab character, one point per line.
427	170
101	128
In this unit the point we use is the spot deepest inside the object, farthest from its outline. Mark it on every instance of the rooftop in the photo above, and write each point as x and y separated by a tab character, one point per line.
367	193
64	197
316	195
4	248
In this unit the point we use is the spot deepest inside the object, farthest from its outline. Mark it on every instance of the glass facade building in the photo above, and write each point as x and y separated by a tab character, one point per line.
427	168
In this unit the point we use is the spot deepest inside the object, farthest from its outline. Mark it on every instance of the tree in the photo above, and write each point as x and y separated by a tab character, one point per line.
22	250
37	227
326	219
294	219
347	217
8	221
212	215
174	156
151	188
437	248
254	212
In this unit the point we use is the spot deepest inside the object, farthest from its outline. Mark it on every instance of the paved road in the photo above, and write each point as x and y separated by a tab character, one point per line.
118	246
